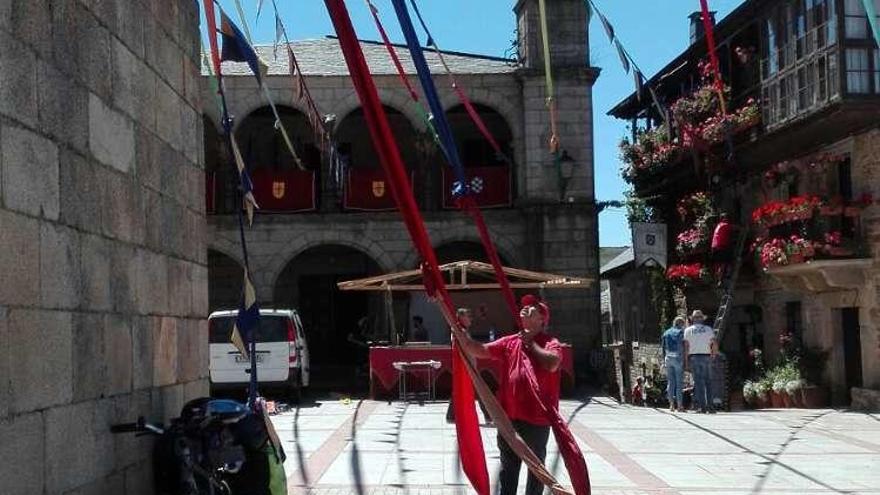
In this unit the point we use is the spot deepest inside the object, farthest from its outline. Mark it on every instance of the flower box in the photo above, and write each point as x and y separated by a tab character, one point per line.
831	210
814	397
852	211
840	252
762	401
776	400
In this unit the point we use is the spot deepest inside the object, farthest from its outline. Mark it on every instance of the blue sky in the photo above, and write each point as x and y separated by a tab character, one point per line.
653	31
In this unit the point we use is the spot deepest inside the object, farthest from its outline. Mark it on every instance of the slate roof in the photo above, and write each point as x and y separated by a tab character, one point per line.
323	57
620	260
608	253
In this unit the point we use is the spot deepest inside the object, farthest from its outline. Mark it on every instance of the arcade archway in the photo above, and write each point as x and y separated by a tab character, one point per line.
225	277
331	317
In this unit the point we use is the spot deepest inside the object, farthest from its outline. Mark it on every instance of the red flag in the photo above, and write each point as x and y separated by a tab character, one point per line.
212	35
713	57
470	444
284	190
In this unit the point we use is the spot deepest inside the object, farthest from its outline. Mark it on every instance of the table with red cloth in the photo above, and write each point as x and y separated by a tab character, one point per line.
384	377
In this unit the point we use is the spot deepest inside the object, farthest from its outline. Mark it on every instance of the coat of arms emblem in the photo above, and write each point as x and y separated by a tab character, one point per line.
378	188
278	189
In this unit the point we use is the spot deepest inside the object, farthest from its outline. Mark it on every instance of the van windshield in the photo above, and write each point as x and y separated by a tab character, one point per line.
270	329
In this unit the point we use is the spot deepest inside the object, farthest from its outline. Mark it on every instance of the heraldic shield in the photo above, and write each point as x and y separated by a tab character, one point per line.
378	188
278	189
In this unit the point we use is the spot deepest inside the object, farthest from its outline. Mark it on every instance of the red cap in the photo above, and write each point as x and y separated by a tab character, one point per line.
533	300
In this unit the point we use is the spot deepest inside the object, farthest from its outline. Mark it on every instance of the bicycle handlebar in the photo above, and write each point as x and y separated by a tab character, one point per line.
141	426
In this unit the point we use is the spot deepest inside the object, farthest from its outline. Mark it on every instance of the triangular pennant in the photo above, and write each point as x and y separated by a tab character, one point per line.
236	154
294	73
236	339
250	294
637	77
624	60
660	108
609	29
237	49
250	204
259	9
279	34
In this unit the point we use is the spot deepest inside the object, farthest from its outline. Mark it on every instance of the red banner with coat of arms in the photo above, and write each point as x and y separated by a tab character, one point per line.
490	186
367	189
282	191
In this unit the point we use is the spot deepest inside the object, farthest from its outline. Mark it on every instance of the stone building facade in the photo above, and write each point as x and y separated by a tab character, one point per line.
802	66
102	238
297	257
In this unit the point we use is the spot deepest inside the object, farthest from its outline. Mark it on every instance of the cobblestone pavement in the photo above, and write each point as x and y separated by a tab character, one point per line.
378	448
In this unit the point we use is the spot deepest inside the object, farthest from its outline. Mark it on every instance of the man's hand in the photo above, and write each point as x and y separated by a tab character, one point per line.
528	337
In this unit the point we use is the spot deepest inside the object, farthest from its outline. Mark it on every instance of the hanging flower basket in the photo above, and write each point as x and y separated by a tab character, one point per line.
687	274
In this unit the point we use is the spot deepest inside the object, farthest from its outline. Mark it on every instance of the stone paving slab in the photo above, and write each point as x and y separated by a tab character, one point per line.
380	448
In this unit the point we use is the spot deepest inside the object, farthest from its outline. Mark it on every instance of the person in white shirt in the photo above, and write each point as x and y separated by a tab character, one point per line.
699	350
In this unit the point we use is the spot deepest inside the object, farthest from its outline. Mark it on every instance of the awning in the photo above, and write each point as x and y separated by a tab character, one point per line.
467	275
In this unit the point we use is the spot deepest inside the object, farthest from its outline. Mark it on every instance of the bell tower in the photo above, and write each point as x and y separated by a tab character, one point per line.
557	196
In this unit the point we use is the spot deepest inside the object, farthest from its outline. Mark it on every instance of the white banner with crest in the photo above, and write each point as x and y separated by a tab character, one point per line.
649	243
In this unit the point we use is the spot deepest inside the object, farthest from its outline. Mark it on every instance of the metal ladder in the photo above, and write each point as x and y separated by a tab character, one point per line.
729	287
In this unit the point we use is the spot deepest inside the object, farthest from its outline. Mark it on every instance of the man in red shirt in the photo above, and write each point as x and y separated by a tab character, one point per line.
530	352
722	238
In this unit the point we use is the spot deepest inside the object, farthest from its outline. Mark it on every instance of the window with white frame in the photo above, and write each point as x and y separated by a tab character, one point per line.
858	71
856	24
798	58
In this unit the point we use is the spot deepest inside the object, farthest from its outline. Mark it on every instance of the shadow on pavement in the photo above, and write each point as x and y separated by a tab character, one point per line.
770	460
356	474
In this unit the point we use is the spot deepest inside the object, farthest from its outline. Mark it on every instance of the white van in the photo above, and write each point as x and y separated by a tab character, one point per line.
282	353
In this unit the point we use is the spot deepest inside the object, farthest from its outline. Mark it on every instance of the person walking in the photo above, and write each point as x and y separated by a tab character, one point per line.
543	354
672	347
700	349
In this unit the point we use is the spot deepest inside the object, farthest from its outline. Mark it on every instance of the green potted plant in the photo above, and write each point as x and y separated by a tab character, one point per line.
763	388
750	393
793	389
814	395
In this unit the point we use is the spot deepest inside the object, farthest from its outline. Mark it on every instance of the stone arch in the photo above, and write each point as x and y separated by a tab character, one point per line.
473	147
325	237
225	275
228	248
506	249
392	98
331	317
497	102
263	146
356	147
248	101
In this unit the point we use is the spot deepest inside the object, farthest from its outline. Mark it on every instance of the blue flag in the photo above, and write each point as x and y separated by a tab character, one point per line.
237	49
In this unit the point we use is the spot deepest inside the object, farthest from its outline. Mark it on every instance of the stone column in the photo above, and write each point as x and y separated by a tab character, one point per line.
562	217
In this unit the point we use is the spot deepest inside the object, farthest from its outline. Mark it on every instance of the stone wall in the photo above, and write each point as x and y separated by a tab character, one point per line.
102	238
